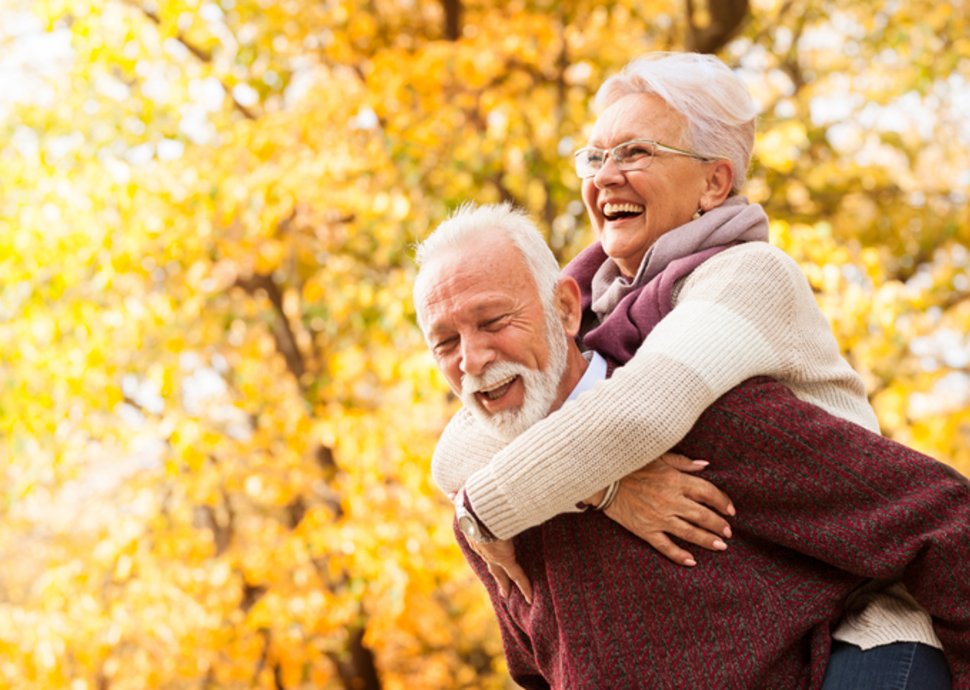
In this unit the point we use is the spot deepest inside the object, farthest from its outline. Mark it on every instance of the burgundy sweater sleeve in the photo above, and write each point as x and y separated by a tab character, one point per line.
519	653
813	483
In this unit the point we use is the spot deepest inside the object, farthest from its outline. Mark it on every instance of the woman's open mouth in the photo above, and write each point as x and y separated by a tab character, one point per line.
613	211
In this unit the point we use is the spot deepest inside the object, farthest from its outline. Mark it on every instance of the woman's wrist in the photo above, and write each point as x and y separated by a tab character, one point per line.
595	499
602	499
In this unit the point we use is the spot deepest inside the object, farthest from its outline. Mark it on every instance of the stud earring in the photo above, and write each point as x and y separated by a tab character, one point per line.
698	213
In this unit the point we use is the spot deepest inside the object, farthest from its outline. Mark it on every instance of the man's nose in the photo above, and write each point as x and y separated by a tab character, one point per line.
476	354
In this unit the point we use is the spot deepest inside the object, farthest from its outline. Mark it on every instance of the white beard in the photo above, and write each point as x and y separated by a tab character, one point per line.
541	386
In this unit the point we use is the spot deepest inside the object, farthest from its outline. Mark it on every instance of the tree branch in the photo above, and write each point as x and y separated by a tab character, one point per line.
280	326
726	17
200	54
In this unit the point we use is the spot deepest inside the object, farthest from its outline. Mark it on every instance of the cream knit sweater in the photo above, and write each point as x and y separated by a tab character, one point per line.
745	312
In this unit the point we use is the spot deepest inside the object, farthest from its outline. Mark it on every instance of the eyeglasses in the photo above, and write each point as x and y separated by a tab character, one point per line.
636	154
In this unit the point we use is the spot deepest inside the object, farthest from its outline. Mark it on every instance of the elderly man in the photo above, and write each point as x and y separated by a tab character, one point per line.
606	610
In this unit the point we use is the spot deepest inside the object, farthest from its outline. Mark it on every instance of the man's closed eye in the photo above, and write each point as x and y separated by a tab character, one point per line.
445	346
494	324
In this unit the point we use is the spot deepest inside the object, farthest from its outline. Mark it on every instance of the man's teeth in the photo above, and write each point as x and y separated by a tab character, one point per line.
611	209
496	390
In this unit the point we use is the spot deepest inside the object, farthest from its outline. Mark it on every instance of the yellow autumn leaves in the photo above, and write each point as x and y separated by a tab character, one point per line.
216	413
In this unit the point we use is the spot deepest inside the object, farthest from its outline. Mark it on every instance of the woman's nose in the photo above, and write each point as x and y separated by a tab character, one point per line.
609	174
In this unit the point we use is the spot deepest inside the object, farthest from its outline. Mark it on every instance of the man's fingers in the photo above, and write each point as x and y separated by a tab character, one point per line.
499	557
521	581
662	543
500	577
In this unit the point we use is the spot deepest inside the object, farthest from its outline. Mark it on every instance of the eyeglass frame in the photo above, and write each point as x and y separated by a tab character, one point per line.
657	146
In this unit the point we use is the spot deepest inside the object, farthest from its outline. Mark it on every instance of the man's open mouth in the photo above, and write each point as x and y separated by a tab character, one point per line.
497	390
625	210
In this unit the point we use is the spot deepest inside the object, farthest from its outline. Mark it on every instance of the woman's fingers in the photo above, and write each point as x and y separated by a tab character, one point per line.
684	531
683	463
694	535
660	502
705	521
701	490
662	543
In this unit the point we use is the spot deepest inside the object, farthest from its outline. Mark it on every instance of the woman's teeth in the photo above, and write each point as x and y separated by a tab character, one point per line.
613	211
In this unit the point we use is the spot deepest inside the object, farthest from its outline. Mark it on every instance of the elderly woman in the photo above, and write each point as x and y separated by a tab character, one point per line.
667	157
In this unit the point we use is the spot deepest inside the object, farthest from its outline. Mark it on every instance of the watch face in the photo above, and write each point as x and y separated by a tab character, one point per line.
467	526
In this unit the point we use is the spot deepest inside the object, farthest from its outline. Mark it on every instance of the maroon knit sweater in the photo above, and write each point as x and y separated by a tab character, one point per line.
823	506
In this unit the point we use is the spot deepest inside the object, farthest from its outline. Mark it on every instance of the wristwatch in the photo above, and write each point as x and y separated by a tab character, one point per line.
468	523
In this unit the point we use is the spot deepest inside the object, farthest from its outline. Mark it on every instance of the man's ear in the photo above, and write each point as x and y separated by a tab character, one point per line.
569	304
717	184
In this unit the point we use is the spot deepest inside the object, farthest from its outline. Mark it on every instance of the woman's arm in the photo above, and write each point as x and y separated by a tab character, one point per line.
464	447
748	311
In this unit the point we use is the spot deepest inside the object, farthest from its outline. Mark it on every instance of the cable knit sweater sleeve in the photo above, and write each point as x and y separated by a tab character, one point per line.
748	311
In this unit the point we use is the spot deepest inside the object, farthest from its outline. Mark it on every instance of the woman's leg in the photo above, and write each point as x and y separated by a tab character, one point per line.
897	666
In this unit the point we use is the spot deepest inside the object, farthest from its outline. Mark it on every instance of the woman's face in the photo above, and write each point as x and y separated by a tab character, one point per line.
631	210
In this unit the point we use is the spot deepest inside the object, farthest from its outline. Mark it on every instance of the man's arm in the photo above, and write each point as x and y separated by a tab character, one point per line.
519	653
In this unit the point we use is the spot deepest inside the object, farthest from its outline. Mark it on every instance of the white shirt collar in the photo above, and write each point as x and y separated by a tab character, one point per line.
596	371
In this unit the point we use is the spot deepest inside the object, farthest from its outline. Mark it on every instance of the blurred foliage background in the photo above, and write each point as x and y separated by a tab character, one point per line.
216	413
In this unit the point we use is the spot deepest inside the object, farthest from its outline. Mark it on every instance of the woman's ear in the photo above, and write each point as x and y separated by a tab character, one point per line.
717	184
569	304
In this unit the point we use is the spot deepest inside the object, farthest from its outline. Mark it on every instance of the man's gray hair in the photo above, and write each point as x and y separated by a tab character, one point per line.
496	219
720	112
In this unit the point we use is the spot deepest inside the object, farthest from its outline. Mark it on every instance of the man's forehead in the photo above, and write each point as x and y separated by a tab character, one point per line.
472	306
472	293
471	289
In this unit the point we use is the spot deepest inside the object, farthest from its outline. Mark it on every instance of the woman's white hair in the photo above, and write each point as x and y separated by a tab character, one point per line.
473	220
715	103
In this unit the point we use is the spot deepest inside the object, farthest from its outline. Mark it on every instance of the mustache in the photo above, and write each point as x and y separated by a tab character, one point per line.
499	371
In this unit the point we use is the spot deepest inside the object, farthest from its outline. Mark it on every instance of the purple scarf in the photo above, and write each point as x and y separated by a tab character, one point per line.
627	310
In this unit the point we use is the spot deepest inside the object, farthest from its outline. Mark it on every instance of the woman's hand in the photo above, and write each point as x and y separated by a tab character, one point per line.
659	499
499	556
664	498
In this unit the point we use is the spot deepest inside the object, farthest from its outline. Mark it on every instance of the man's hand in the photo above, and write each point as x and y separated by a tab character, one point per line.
499	556
663	498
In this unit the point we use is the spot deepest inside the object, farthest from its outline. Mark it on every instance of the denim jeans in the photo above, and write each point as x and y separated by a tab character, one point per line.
897	666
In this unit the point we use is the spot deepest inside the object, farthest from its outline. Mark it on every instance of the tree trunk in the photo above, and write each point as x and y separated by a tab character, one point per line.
356	666
452	19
